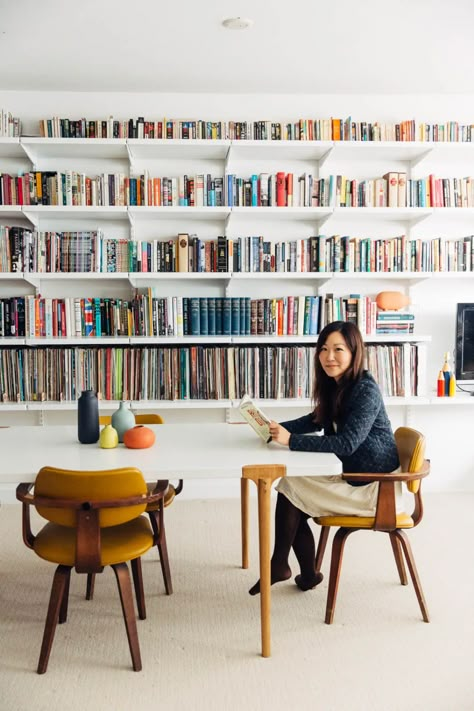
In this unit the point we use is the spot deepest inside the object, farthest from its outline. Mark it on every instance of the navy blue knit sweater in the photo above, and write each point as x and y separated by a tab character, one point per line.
364	440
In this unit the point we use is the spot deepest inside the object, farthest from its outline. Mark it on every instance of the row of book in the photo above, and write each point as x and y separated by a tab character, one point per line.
264	190
24	250
10	126
152	314
190	373
330	129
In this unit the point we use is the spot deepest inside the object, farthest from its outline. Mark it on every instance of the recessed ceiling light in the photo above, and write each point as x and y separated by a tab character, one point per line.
237	23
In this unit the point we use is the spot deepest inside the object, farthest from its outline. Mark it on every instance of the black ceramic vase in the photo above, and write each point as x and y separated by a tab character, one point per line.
88	417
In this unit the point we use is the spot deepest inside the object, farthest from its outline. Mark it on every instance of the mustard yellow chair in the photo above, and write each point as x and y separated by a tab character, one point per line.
94	520
414	467
155	509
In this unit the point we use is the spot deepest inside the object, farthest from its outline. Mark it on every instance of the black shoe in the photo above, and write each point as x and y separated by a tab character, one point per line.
305	584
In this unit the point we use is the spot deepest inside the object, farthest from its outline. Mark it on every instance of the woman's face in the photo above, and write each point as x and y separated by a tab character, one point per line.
335	357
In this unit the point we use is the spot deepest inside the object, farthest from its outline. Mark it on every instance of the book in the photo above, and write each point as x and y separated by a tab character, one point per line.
256	418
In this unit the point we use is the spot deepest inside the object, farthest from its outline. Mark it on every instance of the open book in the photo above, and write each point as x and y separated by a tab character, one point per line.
256	418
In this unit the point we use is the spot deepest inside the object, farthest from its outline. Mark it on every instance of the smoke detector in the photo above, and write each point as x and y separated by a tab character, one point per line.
237	23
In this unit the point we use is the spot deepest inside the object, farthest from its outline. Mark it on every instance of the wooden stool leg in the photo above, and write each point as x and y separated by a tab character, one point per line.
138	585
90	586
65	600
402	537
163	553
126	598
244	521
57	592
397	553
336	561
323	539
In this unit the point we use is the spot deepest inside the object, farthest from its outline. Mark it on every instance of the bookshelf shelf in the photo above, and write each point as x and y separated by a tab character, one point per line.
11	148
393	214
177	149
279	150
38	149
178	213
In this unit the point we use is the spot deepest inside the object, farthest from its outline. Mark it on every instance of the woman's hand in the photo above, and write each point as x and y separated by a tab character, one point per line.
279	434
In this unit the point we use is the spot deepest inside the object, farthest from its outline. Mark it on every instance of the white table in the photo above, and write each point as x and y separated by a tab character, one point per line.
181	451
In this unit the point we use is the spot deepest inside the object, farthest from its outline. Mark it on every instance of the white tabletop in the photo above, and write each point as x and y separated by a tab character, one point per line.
181	451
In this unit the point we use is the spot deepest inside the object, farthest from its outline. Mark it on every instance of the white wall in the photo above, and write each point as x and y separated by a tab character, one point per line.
448	429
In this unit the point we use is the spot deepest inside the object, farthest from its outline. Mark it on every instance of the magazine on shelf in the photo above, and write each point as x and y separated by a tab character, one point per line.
256	418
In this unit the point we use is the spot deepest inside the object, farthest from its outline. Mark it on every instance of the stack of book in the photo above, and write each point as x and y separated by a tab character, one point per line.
396	322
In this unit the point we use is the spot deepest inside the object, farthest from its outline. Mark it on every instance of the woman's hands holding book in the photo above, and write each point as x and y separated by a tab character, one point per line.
279	434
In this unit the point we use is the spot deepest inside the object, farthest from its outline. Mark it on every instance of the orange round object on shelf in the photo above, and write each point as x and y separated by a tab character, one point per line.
139	437
391	300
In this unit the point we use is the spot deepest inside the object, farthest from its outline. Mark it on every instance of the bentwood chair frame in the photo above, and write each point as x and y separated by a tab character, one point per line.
87	560
411	448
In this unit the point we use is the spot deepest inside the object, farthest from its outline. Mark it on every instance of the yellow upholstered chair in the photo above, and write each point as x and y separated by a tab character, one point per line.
414	467
155	509
94	520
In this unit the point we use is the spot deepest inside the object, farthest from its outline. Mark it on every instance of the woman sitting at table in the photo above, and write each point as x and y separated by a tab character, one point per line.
349	409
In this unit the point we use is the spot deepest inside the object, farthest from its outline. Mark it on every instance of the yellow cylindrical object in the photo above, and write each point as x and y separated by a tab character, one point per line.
452	385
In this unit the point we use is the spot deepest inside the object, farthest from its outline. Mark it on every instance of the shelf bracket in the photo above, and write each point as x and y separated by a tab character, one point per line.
31	217
325	157
416	161
31	156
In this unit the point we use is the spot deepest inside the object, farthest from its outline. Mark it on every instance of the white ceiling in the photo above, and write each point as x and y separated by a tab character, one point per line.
305	46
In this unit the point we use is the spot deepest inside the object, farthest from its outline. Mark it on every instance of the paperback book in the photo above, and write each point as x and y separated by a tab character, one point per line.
256	418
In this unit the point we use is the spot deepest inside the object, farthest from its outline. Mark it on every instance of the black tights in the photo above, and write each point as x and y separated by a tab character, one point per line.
291	531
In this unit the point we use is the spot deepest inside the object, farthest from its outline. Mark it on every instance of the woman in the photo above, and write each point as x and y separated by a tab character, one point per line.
349	408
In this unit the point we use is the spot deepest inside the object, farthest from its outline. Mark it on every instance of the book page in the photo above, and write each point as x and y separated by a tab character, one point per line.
256	418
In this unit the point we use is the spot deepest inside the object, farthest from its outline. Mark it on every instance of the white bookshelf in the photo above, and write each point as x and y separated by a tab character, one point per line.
274	222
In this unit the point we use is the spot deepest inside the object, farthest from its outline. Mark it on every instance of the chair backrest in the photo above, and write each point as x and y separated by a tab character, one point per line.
411	446
144	419
90	486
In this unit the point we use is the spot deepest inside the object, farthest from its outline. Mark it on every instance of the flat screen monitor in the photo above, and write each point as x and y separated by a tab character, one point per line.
465	343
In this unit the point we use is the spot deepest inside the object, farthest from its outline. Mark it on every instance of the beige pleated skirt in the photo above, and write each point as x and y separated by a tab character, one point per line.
332	496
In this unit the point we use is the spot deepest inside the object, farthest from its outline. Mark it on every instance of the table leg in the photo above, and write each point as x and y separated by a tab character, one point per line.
264	475
244	520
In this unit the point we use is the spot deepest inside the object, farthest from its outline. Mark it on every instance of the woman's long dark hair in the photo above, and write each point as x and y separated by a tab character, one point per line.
329	395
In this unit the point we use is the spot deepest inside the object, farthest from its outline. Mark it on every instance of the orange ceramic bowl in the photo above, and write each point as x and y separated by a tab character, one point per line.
392	300
139	437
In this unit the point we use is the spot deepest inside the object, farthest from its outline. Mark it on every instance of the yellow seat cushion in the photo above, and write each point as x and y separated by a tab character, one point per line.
403	521
170	493
118	543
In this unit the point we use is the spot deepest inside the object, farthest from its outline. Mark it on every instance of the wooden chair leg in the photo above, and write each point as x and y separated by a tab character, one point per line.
126	598
163	553
65	600
336	561
90	586
397	553
58	588
138	585
158	524
323	539
402	537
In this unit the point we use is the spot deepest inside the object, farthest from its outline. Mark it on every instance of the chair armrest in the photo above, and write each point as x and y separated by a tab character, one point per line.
23	493
393	476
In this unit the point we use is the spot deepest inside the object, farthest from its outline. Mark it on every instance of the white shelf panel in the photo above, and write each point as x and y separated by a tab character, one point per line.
179	340
181	404
77	212
35	277
6	341
279	150
182	213
13	407
100	148
274	340
179	149
378	150
396	338
283	402
11	148
79	341
136	277
313	214
11	212
400	214
276	276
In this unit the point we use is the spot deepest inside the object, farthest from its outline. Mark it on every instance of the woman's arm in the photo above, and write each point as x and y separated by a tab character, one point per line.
302	425
363	407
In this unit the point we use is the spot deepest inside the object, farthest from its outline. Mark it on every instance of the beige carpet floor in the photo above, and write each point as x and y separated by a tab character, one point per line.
200	646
